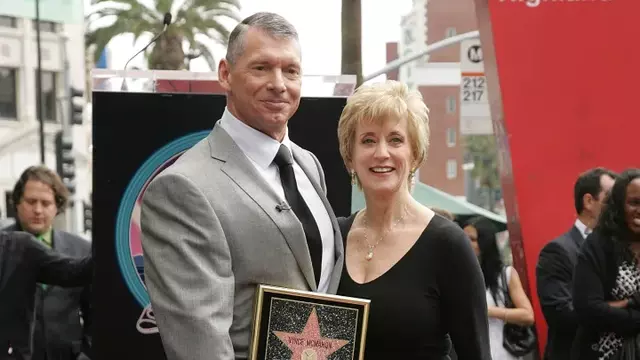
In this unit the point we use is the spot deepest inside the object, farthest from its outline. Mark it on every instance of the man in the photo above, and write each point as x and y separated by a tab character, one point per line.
63	315
554	271
244	206
23	262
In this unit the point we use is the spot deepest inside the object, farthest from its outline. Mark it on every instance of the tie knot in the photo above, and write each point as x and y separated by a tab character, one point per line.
283	157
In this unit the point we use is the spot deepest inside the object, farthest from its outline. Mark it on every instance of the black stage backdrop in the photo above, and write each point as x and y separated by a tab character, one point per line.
135	135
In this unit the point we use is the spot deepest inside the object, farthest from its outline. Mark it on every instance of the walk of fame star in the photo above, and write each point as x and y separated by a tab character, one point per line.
309	344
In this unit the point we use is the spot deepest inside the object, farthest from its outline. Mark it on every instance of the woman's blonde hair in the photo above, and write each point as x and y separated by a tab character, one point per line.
380	102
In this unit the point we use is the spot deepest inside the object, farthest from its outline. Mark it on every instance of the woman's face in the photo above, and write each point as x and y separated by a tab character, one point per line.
632	206
472	233
382	157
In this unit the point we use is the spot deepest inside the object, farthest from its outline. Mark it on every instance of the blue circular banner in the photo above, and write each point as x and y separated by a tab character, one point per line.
128	235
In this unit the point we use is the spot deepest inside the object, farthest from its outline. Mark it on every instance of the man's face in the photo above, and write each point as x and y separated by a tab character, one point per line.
37	207
263	85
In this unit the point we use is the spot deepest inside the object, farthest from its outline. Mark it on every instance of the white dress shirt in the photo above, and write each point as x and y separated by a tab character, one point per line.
584	230
261	149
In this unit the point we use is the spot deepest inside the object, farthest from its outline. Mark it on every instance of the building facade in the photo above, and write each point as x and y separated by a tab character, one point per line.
437	77
61	43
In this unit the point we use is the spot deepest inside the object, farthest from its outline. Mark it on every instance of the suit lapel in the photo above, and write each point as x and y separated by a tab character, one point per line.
242	172
575	234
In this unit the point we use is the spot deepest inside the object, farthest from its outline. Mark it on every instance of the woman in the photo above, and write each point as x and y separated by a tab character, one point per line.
482	234
607	278
417	268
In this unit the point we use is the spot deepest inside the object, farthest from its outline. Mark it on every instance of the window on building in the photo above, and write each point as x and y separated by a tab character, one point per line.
451	104
8	21
451	31
49	91
8	94
408	37
452	169
45	26
451	137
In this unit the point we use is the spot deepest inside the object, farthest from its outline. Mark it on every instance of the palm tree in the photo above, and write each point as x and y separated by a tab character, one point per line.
195	21
352	39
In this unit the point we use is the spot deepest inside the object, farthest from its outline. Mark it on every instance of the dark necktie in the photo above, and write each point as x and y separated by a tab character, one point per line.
285	165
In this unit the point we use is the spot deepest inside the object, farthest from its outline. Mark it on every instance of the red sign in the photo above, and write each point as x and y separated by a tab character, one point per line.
562	78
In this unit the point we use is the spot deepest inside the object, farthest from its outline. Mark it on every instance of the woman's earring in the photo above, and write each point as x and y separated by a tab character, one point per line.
412	178
353	177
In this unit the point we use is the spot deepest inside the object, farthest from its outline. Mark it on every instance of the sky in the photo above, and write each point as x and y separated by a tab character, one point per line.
318	25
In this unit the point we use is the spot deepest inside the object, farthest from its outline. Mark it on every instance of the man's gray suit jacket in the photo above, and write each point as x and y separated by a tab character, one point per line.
210	234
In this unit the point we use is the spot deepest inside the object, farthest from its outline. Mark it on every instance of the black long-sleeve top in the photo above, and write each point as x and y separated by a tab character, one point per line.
594	279
433	295
24	261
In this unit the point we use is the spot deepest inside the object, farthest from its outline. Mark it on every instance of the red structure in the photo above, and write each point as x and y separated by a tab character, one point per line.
561	77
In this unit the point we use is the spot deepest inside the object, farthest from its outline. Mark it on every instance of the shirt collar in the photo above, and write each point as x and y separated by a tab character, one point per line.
259	147
584	230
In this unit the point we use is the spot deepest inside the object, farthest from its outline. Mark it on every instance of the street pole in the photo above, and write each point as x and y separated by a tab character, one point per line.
39	84
71	213
428	49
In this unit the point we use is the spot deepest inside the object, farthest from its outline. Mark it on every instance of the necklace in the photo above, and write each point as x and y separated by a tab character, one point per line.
369	255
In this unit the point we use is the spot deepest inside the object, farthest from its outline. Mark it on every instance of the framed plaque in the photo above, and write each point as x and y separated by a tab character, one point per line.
302	325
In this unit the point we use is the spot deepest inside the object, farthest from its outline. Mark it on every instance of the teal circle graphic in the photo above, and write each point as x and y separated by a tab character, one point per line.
136	186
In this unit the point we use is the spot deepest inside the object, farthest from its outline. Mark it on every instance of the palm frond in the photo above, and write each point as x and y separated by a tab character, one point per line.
132	7
193	19
206	53
204	5
190	18
163	6
102	36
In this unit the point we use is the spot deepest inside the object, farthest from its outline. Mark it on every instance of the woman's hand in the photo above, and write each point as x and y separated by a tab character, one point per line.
619	303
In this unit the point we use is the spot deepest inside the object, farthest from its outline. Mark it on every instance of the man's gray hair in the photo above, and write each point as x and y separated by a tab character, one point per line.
272	24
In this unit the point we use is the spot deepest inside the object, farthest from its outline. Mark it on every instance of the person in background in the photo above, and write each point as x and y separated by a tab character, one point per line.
398	253
556	262
606	282
498	279
25	261
62	315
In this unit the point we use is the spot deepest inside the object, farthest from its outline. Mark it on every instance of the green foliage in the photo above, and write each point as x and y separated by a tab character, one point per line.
194	23
482	150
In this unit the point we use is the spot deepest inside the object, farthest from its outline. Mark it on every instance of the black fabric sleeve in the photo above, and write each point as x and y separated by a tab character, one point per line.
589	291
463	295
554	273
56	269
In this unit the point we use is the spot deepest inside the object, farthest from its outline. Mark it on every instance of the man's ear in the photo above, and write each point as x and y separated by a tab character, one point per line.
224	74
587	201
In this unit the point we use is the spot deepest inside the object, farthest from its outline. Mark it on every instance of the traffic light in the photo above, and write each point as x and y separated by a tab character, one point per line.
87	216
65	162
77	106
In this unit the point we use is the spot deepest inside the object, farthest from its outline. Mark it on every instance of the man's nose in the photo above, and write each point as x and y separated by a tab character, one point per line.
277	81
37	208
